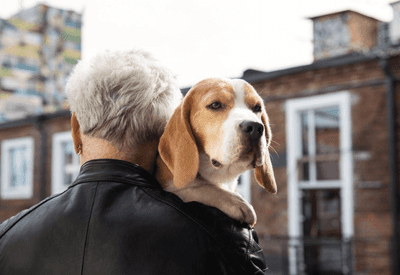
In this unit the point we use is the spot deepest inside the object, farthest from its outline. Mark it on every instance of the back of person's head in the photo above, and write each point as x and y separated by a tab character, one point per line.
125	98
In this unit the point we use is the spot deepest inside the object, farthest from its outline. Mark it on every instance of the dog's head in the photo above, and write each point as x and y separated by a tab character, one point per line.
222	125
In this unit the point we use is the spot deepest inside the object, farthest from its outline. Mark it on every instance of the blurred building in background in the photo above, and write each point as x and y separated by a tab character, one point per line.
38	48
335	132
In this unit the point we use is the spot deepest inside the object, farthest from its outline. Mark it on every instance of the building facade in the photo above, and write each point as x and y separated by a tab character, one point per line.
334	125
37	160
38	49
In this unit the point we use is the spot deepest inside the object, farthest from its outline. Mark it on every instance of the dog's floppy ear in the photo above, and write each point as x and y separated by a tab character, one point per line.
264	174
178	147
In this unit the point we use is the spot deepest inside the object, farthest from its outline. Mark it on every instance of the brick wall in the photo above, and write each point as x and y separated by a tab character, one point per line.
10	208
52	127
363	31
372	220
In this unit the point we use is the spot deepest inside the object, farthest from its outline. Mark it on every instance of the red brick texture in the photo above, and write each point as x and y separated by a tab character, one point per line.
365	82
10	208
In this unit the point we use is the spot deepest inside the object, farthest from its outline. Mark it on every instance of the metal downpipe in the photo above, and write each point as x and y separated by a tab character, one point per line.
394	190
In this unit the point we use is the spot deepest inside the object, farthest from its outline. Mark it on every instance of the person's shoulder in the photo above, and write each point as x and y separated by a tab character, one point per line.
6	225
238	242
45	212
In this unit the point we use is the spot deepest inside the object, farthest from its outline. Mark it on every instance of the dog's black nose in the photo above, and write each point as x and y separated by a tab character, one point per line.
252	129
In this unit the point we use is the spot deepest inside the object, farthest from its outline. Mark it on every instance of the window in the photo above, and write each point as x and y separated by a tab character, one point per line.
320	184
17	168
244	186
66	162
320	154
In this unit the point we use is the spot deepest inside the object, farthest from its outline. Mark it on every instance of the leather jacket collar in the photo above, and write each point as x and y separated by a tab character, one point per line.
115	170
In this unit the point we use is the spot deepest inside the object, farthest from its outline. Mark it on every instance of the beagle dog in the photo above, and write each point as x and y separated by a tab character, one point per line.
219	131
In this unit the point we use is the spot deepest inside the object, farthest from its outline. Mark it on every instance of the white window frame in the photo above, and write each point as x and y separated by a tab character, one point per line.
57	184
294	152
19	192
244	189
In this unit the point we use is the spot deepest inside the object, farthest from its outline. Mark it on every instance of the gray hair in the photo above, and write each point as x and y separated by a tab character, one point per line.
125	98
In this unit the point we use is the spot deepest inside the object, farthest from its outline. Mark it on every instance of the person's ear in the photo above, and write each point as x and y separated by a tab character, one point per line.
76	133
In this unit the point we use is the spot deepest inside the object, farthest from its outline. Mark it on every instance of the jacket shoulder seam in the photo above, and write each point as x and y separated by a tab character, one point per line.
29	210
88	225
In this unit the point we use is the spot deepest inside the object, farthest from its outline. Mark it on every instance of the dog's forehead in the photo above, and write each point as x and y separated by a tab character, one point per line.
212	85
238	90
244	92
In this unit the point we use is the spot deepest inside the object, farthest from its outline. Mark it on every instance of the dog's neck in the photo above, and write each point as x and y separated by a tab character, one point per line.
225	176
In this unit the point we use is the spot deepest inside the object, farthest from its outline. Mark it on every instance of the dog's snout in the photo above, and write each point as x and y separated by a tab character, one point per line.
253	130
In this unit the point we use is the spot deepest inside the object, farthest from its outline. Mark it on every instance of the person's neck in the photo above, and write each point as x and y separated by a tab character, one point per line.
143	155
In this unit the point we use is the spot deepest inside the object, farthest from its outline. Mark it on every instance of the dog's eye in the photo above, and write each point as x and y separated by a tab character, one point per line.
215	105
257	109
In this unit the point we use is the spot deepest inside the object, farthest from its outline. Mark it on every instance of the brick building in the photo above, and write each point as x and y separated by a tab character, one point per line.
37	160
334	124
38	48
335	134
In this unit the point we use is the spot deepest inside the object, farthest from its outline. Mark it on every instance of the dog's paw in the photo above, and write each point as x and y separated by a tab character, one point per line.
238	208
231	203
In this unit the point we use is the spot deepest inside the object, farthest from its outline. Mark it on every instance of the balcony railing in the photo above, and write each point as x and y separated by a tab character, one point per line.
327	256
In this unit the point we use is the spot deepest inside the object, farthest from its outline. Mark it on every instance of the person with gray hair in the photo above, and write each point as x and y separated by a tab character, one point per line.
115	218
125	98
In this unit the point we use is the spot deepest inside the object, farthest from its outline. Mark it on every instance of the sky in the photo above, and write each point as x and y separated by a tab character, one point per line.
208	38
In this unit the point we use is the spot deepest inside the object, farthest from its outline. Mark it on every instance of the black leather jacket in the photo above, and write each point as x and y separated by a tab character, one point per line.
116	219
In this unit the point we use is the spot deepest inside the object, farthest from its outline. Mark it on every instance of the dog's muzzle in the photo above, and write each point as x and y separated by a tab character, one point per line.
253	130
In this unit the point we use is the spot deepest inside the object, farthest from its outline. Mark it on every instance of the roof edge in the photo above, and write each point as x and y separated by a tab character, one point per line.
253	76
339	12
32	119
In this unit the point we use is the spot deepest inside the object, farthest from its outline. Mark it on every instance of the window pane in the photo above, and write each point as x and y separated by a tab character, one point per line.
304	171
327	131
14	170
19	166
328	170
304	166
67	148
304	133
322	222
321	211
320	138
